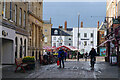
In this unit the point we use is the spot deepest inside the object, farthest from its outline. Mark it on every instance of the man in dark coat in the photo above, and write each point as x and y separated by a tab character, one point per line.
78	55
92	55
61	55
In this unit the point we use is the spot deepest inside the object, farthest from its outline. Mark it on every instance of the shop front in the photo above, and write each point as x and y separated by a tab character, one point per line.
7	37
117	36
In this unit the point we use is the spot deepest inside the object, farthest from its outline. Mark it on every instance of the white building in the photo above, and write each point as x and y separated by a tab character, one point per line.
61	37
87	38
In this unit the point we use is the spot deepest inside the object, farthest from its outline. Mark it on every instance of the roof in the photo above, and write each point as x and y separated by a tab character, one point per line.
69	29
60	32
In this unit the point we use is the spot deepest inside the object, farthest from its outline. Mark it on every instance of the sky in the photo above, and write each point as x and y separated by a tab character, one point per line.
90	13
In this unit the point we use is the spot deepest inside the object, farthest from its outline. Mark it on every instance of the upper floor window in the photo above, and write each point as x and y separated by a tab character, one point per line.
91	34
91	42
85	34
24	24
55	32
20	17
54	38
45	39
10	10
4	9
85	43
69	38
45	30
102	35
15	13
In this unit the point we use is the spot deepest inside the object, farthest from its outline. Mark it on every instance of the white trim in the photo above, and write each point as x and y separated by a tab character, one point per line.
5	18
11	21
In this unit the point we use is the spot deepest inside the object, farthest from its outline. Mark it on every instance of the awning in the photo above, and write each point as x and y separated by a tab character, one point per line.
68	47
109	40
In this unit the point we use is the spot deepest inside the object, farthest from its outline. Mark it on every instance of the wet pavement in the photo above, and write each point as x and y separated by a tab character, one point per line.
73	69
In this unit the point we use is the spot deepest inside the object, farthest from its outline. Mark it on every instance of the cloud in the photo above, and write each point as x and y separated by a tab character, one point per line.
74	0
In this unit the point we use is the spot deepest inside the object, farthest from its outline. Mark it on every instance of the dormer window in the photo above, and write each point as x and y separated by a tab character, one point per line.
55	32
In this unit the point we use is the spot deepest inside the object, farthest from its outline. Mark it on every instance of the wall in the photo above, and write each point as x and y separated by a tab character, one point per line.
81	42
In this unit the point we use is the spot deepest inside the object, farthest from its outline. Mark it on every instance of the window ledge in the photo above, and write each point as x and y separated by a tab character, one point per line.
5	18
11	21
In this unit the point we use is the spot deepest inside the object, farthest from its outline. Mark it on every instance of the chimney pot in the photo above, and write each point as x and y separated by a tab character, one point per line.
65	25
98	25
81	24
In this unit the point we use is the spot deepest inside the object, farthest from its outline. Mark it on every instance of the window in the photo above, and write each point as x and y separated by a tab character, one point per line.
45	39
10	10
54	44
15	13
102	35
91	34
24	24
4	7
85	34
54	38
55	32
91	42
69	44
45	30
20	17
85	43
69	38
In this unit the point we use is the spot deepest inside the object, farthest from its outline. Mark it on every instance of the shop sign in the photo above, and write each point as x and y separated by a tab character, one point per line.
4	33
103	51
116	21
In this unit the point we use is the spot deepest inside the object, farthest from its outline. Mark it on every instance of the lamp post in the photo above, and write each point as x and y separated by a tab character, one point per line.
78	30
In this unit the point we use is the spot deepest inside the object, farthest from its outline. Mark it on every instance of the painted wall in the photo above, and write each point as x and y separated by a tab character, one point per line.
88	47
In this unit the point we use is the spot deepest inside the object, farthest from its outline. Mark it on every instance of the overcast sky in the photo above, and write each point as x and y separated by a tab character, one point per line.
68	11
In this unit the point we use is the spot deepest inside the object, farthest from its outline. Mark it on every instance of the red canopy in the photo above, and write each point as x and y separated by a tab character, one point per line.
63	47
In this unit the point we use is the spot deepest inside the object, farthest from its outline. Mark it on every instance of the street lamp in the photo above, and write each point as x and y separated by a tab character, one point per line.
78	30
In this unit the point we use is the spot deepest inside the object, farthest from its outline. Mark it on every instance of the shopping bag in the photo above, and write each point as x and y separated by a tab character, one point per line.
58	63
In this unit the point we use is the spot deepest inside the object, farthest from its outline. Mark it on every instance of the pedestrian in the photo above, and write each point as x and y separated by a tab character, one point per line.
61	55
78	55
92	55
86	54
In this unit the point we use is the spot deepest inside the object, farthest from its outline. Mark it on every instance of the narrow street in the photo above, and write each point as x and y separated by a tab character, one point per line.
77	69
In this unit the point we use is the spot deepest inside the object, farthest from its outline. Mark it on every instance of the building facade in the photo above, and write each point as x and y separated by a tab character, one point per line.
87	38
101	40
61	37
35	14
47	33
14	31
112	30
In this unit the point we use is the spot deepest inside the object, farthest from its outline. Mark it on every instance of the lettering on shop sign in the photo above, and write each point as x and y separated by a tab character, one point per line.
4	33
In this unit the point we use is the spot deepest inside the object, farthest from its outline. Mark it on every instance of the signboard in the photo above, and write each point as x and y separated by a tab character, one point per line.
102	51
116	21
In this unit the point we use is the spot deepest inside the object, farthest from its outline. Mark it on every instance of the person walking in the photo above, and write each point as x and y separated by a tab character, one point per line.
78	55
86	55
61	55
92	55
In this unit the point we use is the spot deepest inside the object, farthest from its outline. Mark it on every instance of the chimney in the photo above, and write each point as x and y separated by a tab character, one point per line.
98	25
81	24
50	20
60	27
65	25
